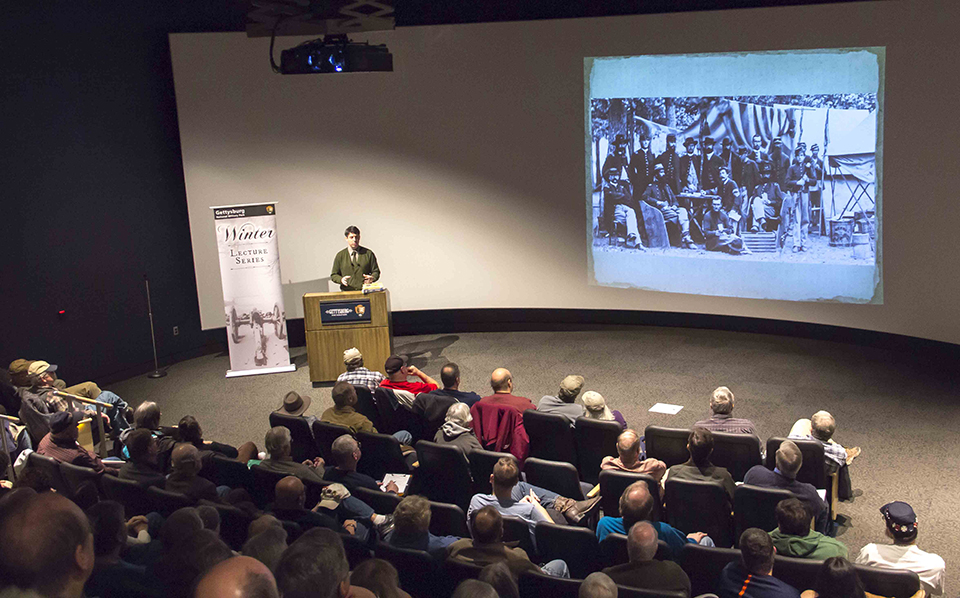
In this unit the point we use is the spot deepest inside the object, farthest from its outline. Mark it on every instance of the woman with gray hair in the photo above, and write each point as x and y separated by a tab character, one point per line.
456	430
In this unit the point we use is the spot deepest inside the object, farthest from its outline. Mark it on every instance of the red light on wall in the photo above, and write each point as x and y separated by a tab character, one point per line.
62	311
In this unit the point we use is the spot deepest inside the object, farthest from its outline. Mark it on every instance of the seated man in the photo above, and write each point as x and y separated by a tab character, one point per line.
343	413
295	405
821	427
142	465
185	465
237	577
487	547
278	445
660	195
699	467
901	527
411	528
619	208
643	571
289	498
397	373
43	382
631	457
721	404
189	430
751	576
793	536
718	230
316	565
456	430
61	444
501	381
113	576
450	376
346	455
565	402
766	201
636	504
597	585
789	461
147	417
356	374
530	503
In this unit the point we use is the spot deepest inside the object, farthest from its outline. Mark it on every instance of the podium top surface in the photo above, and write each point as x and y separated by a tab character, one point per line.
343	295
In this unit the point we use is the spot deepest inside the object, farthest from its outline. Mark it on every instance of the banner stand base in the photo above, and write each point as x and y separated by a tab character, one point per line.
283	368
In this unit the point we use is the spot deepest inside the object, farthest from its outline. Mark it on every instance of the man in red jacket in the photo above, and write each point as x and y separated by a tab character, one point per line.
502	383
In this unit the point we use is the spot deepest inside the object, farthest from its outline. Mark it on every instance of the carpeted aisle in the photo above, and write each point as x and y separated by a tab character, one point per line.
905	419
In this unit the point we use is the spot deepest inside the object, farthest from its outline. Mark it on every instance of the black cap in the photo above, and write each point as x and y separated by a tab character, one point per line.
900	518
61	420
393	364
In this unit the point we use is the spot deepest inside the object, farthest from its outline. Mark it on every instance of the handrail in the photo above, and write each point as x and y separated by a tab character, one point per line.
11	419
67	395
100	406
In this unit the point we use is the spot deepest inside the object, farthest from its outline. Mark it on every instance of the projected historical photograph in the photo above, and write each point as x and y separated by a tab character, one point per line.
773	195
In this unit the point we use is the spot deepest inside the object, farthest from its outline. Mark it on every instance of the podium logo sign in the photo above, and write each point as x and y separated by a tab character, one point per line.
344	312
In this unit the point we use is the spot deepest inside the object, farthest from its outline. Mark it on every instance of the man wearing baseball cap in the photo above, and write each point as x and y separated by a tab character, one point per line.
43	389
356	374
397	374
61	442
901	523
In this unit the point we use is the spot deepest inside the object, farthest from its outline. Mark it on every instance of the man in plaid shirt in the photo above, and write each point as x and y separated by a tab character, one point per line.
721	403
42	392
356	374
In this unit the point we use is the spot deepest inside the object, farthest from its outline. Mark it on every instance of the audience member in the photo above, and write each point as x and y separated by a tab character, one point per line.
343	413
398	372
820	427
289	500
112	576
487	547
267	546
501	381
643	571
142	464
238	577
631	457
279	446
793	536
636	504
450	376
499	577
837	579
147	417
196	554
474	588
722	420
699	467
356	374
901	527
42	377
456	430
789	461
346	455
598	585
411	521
433	406
751	576
46	544
595	407
294	405
185	465
378	576
565	402
314	566
189	430
210	517
61	443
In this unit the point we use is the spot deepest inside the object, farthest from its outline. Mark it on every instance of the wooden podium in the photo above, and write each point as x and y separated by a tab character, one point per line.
335	322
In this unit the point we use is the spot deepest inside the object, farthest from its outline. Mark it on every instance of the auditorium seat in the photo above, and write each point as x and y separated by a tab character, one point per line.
227	472
50	467
443	474
381	455
888	582
481	467
302	445
356	549
551	436
233	523
448	520
393	416
293	530
555	476
264	484
517	530
799	573
754	506
595	440
457	571
83	484
576	546
736	452
612	484
703	565
166	502
381	502
130	494
699	506
313	489
420	574
667	444
367	407
537	585
324	435
812	471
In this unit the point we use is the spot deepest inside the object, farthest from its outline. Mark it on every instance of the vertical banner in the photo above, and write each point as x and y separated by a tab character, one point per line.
252	297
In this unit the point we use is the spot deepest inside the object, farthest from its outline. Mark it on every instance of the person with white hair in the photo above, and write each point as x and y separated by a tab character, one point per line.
598	585
595	407
456	430
722	420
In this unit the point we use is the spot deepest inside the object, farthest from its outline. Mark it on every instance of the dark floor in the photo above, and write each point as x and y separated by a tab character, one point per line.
903	414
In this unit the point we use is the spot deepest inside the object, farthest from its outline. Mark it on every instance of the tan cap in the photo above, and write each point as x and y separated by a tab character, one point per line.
351	356
331	496
39	367
570	386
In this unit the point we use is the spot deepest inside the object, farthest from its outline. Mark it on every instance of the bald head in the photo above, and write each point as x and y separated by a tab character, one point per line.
185	458
789	459
487	525
238	577
636	504
628	446
641	542
289	493
501	380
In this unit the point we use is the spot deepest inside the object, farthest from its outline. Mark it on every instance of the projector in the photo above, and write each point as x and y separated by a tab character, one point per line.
335	54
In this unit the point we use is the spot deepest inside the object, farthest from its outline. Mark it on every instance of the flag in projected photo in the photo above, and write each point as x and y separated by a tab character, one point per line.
742	175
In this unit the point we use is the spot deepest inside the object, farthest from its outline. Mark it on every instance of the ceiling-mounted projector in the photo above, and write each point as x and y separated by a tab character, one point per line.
335	54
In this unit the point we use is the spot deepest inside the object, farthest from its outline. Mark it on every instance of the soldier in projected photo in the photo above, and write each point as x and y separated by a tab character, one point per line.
661	196
718	230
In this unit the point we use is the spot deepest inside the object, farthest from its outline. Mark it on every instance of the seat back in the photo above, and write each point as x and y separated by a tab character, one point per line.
324	434
613	551
551	436
534	585
381	502
517	530
233	523
227	472
448	520
313	490
555	476
888	582
595	439
366	406
799	573
443	474
576	546
82	483
381	455
130	494
736	452
431	420
812	471
50	467
754	506
667	444
457	571
357	550
481	467
699	506
302	445
628	592
419	572
703	565
612	485
166	502
293	530
264	484
393	416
